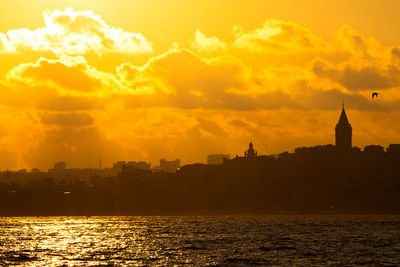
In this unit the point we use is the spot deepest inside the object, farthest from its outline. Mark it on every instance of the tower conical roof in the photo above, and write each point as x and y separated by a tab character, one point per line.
343	118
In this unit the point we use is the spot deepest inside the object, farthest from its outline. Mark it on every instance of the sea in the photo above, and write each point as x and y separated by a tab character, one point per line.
201	241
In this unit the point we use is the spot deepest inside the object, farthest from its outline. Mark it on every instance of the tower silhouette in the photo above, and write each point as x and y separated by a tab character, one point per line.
250	153
343	133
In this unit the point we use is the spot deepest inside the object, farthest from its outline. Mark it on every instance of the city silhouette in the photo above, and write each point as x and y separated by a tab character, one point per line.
331	179
200	133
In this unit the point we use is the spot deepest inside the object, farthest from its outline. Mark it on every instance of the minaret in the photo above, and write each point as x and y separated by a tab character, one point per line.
343	133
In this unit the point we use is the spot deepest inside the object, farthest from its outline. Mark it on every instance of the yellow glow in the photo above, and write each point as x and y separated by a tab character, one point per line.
144	80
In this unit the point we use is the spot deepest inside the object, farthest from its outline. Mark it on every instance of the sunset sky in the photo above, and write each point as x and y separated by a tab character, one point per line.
143	80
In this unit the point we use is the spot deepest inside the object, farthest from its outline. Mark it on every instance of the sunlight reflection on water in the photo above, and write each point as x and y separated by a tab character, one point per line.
44	241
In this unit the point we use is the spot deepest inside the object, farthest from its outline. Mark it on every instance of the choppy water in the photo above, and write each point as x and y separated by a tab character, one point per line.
200	241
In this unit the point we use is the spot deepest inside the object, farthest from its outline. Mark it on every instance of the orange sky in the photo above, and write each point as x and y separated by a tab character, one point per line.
144	80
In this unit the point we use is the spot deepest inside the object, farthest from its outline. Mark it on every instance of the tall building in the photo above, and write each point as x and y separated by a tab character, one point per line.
250	153
58	167
117	166
216	159
393	149
343	133
169	165
139	165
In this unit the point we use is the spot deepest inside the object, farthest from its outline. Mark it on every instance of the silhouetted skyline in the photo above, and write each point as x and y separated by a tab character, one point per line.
343	142
321	179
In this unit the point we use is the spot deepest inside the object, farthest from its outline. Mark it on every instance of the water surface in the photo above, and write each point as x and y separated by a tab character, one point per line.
275	240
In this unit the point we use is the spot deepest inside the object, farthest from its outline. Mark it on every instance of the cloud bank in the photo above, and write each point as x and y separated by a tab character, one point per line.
279	84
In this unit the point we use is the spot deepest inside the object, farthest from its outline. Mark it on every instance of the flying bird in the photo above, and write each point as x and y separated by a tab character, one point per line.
374	94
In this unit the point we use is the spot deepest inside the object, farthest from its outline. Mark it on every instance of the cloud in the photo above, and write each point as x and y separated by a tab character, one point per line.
359	46
74	32
69	103
46	98
78	146
279	37
67	73
395	51
185	80
368	77
182	79
67	83
278	84
202	43
67	119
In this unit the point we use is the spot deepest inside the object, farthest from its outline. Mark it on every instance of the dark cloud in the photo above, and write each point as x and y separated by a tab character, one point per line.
332	99
221	83
209	126
239	123
67	119
69	103
395	52
79	147
363	78
229	101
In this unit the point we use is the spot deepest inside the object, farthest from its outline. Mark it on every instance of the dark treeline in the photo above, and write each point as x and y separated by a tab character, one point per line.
311	180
